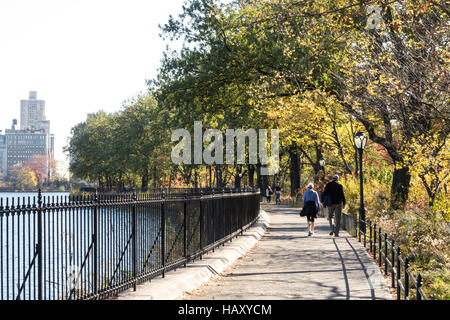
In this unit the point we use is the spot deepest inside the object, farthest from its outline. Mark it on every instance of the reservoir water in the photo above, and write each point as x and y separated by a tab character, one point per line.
67	259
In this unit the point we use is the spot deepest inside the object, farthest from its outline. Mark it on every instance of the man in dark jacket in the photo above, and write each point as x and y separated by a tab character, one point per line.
336	202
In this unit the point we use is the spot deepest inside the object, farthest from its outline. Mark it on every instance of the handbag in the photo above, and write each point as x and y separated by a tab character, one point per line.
302	213
310	206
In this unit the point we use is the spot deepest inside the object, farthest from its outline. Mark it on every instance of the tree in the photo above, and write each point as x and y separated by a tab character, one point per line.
396	82
116	149
252	63
143	138
38	165
430	161
91	150
21	177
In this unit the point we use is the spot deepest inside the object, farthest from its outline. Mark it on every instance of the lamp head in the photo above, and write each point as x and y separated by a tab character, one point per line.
360	140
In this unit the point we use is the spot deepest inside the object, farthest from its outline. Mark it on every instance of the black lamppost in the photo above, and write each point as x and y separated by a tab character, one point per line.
360	142
322	164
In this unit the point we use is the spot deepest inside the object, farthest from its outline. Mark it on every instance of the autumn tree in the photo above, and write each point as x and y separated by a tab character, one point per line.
21	177
38	164
395	80
117	149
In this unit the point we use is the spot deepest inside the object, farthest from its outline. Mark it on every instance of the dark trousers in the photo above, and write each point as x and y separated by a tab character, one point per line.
335	210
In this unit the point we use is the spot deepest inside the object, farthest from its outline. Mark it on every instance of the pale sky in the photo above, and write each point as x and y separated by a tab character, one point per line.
79	55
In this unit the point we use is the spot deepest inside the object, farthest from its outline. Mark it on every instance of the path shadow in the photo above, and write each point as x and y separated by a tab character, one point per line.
347	287
243	274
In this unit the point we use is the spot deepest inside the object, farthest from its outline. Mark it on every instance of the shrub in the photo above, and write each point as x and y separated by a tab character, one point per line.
421	231
376	195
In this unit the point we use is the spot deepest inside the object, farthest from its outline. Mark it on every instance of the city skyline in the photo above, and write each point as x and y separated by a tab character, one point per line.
80	56
21	145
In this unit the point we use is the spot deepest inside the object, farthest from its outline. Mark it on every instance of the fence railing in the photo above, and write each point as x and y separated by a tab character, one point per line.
93	247
387	255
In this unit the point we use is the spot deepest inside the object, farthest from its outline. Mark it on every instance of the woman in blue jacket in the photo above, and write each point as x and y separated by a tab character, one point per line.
311	206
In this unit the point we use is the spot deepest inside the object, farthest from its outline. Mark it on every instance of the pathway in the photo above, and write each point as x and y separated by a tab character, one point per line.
287	264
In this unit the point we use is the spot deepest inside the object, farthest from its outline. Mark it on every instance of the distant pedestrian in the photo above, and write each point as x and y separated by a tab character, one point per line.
278	194
311	206
334	193
268	193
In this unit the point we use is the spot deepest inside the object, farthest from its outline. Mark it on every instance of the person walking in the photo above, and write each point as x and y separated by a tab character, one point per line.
334	193
311	205
278	194
268	193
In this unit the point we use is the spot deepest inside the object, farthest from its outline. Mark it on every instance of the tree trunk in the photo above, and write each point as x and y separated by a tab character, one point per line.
338	142
155	183
294	172
237	181
259	181
120	183
219	177
251	175
210	176
400	187
265	184
316	165
144	182
195	179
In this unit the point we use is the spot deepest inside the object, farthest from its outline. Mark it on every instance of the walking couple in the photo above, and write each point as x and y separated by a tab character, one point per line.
333	197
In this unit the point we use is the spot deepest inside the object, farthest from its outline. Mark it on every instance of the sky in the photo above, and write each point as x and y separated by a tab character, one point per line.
80	56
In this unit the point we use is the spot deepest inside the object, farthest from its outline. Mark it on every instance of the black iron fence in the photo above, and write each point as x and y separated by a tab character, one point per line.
93	247
387	255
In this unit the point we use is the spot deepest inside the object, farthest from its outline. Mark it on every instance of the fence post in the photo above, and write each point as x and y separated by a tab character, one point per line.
385	254
380	262
358	227
406	278
95	241
39	244
163	233
354	229
224	218
418	286
201	223
184	228
393	263
213	205
365	233
399	274
229	217
370	236
133	233
375	241
241	212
